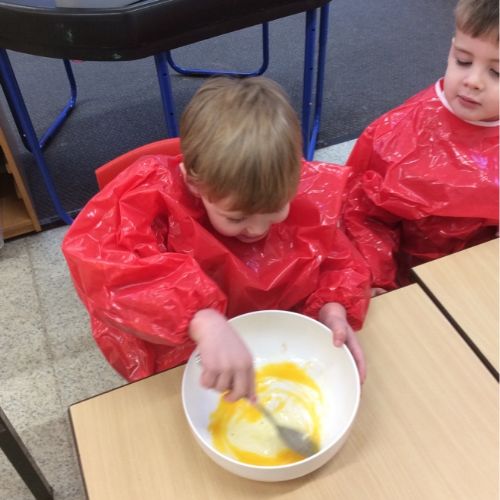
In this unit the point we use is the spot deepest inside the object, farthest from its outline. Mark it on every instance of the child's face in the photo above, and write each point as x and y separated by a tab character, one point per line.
247	228
471	79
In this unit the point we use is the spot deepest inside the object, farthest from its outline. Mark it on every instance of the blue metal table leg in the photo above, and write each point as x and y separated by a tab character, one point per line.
166	93
61	118
308	78
310	132
26	130
310	128
208	72
320	78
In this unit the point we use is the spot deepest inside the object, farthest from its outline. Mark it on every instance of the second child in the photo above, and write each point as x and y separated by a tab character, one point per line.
426	172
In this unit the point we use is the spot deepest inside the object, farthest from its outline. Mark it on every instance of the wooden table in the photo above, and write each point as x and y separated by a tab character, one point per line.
427	427
464	286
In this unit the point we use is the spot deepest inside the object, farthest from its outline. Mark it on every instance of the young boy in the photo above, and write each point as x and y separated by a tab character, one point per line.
174	246
426	173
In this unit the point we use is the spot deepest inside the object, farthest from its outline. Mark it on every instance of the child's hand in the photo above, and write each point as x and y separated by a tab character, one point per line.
227	364
333	315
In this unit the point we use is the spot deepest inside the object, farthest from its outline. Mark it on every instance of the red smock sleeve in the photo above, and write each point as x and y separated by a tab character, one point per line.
344	278
374	230
118	259
343	275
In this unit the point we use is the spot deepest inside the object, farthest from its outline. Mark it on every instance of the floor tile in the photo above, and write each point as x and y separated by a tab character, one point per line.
84	376
335	154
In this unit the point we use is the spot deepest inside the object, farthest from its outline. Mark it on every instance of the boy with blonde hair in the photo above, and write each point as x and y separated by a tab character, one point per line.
174	246
426	173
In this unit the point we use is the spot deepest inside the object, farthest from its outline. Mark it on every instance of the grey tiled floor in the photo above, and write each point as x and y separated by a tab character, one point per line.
48	359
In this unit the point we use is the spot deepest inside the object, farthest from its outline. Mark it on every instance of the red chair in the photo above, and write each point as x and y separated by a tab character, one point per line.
110	170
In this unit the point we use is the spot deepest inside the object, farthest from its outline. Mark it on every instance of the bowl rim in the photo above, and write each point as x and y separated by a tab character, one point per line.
322	451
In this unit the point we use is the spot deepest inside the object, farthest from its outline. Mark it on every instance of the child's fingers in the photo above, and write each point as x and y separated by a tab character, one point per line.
252	395
224	381
357	354
208	378
240	387
339	330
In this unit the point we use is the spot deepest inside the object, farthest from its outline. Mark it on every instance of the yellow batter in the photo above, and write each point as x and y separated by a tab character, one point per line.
241	432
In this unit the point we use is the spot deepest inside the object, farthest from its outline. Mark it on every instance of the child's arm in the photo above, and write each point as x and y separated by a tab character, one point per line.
344	279
333	315
226	361
159	297
153	298
342	297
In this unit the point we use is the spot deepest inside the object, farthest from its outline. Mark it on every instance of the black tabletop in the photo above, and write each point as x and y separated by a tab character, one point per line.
131	31
79	4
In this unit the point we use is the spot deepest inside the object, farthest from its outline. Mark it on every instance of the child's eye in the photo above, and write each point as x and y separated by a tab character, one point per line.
235	220
463	63
494	72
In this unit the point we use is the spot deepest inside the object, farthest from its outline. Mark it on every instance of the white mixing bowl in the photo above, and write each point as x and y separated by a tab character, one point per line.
277	336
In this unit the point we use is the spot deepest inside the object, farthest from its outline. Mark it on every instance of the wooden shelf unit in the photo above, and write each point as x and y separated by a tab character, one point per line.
17	215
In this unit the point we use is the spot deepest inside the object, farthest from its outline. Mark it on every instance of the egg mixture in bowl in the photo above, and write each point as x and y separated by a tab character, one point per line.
239	430
306	383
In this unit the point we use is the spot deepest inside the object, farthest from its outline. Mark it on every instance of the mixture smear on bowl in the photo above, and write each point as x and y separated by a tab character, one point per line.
240	431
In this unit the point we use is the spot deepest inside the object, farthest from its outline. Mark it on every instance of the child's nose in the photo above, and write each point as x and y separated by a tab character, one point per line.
474	79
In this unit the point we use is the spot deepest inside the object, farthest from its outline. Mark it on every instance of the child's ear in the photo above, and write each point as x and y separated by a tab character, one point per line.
189	181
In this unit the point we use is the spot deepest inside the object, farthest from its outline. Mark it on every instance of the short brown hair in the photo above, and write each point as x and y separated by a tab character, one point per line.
241	140
477	18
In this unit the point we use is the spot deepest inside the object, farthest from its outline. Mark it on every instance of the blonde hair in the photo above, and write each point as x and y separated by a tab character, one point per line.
477	18
241	140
